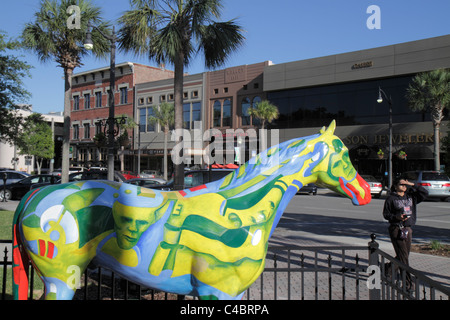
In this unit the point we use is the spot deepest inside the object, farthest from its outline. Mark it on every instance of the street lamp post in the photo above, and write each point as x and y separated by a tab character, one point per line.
389	100
89	45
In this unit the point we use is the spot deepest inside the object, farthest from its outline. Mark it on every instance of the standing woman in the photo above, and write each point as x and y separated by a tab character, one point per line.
400	210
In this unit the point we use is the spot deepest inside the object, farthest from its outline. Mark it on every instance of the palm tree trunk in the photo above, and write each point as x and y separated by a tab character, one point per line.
437	160
178	96
66	129
437	116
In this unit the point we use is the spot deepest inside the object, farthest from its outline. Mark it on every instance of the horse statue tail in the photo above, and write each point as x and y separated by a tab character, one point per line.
21	261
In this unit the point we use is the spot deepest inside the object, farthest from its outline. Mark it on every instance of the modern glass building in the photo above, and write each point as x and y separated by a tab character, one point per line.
345	87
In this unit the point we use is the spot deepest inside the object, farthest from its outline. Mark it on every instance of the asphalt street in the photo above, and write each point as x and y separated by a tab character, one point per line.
331	219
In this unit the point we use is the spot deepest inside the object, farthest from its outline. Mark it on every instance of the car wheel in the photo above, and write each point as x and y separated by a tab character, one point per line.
8	194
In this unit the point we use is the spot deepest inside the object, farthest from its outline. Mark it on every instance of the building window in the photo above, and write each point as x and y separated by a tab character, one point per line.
150	126
255	121
98	99
191	113
87	131
245	116
141	101
76	103
142	119
87	101
149	100
217	114
222	114
123	95
76	132
144	123
98	127
226	113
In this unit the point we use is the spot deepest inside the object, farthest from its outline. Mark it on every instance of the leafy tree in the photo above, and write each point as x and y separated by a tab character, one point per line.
173	31
51	39
164	115
266	112
430	91
36	139
12	92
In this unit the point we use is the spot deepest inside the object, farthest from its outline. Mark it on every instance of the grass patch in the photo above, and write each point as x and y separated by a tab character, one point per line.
6	219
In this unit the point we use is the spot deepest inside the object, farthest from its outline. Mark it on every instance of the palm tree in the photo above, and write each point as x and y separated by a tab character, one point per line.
431	91
265	112
173	31
124	139
164	116
51	39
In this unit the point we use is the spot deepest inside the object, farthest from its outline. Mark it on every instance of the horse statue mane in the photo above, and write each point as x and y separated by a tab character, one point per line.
208	241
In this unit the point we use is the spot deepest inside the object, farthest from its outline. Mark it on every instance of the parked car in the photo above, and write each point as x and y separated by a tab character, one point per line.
150	174
436	183
18	189
129	175
146	182
376	187
57	172
309	188
194	178
12	176
95	175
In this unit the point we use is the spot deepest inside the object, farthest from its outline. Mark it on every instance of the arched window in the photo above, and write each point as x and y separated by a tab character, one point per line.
256	100
217	114
226	113
245	105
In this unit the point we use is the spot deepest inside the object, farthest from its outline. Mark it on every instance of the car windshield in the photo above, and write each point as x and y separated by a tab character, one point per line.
436	176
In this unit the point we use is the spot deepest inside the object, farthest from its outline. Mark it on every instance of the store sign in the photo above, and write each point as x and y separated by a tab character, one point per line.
236	74
362	65
406	138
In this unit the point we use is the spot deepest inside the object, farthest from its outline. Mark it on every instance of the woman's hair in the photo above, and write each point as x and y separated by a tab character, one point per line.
395	182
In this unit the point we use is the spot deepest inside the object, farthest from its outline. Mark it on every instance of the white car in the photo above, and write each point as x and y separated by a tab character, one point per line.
376	187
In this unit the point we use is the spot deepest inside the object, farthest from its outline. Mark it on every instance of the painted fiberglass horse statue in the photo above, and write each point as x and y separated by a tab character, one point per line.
209	241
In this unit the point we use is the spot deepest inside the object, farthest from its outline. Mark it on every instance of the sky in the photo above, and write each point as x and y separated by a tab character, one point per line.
280	31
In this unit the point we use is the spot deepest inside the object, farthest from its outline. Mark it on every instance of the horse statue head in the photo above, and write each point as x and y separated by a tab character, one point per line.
334	169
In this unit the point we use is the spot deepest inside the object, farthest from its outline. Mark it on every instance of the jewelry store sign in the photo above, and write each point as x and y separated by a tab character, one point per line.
405	138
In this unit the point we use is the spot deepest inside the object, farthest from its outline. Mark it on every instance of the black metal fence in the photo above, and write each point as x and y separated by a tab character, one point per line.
291	273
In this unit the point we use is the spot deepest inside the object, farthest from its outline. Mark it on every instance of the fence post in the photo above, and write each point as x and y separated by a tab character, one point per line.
374	291
5	269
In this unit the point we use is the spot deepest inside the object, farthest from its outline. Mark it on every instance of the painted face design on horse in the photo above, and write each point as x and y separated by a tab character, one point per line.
209	241
337	172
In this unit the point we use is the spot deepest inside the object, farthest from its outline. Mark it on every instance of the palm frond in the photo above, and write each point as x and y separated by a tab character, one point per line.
218	40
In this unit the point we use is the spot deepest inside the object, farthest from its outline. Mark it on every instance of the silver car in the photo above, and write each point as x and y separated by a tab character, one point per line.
376	187
436	183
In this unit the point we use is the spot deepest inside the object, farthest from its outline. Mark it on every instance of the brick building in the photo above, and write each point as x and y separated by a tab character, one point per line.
89	106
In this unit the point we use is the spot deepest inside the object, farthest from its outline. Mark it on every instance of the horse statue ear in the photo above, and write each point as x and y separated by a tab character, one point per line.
330	129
